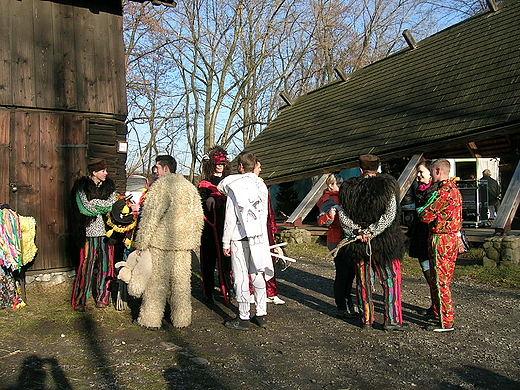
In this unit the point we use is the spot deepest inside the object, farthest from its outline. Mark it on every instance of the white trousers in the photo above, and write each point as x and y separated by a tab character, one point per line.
243	267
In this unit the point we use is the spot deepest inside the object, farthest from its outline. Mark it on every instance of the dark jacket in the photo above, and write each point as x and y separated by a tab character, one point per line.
419	231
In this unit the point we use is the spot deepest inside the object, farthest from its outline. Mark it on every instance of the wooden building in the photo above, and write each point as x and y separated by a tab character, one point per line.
454	94
62	102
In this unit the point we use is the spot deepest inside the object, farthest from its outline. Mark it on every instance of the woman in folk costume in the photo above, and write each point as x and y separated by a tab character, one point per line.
93	197
419	231
345	272
215	167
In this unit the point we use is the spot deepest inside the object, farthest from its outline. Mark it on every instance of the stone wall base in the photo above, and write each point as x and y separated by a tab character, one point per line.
501	250
53	278
295	236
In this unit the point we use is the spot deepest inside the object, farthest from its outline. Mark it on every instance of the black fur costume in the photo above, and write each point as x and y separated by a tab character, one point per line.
79	221
364	200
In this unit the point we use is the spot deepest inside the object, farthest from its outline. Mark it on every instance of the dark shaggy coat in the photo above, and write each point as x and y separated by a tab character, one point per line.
80	221
364	200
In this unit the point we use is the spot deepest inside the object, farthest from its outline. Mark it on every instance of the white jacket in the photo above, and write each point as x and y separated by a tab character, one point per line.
246	216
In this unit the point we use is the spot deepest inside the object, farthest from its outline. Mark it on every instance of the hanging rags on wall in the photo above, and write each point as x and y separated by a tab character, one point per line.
17	249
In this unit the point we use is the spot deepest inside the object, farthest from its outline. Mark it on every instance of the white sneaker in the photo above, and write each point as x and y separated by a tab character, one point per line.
275	300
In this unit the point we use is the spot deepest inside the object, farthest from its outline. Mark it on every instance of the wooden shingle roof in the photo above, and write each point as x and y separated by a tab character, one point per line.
459	85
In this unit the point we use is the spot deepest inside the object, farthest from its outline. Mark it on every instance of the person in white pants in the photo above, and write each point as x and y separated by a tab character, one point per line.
245	239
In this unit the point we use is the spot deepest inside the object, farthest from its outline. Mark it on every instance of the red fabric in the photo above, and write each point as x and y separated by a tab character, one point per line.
220	199
334	232
442	266
444	216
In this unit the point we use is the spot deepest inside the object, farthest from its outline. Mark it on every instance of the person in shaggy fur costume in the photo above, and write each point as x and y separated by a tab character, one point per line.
369	216
170	227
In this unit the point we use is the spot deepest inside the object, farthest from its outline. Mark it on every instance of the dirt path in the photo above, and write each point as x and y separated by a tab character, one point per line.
304	347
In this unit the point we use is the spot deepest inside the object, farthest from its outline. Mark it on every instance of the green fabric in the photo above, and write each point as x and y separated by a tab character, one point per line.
89	213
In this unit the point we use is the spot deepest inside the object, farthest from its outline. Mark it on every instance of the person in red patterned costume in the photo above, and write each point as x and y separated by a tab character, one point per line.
443	213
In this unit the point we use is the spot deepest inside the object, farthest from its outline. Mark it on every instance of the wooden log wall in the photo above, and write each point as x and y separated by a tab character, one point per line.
57	55
62	102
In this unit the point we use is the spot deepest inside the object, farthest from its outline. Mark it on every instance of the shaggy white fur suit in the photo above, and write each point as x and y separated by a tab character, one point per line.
170	227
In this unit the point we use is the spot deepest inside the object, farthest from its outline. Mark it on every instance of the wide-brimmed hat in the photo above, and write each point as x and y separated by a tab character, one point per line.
122	212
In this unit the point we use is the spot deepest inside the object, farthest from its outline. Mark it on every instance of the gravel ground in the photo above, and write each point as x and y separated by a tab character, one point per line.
304	346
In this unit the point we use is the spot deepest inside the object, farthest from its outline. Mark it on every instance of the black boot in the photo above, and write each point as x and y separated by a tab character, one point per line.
350	305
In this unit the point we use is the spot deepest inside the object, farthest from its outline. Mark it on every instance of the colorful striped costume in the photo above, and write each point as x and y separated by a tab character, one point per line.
443	213
369	204
90	203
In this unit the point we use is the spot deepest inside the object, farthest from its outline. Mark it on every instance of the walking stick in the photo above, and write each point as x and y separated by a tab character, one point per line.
221	279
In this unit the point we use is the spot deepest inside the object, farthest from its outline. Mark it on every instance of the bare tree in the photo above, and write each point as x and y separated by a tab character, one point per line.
210	72
153	105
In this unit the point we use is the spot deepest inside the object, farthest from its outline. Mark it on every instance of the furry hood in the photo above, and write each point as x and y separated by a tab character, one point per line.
172	217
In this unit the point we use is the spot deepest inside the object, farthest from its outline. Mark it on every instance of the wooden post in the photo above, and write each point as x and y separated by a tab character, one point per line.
309	201
507	210
408	175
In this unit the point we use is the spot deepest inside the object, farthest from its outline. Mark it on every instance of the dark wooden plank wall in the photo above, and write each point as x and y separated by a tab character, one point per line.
49	152
5	56
4	157
62	102
103	137
61	57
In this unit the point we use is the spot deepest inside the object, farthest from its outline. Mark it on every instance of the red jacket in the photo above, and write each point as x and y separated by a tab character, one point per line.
334	233
443	212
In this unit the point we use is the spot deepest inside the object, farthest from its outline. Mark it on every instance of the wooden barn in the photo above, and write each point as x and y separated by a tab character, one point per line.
62	102
455	94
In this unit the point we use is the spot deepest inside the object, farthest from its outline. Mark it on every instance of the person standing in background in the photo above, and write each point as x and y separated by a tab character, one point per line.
493	193
419	231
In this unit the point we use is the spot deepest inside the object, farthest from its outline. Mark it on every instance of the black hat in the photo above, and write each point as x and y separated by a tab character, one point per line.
122	213
369	162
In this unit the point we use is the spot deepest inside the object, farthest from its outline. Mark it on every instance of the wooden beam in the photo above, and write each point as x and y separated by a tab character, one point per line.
408	175
286	98
507	210
342	75
492	5
409	39
309	201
